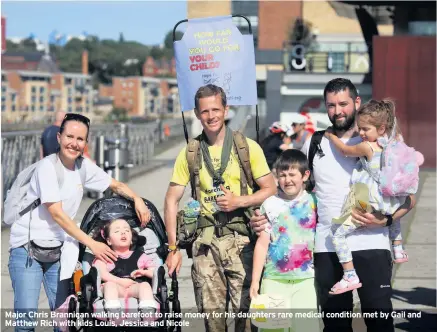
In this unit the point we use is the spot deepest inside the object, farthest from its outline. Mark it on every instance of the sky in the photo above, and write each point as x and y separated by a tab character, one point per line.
146	22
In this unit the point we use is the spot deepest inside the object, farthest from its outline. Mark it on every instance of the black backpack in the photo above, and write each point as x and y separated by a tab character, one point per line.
314	148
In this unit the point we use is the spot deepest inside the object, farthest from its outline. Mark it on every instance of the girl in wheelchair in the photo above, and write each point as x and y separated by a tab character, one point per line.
129	275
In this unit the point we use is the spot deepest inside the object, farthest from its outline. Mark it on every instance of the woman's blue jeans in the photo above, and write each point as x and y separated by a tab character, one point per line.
27	275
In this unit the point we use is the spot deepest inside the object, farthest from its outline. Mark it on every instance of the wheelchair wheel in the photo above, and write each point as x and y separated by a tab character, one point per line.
72	304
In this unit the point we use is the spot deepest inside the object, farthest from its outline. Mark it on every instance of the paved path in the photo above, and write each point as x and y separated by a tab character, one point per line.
414	286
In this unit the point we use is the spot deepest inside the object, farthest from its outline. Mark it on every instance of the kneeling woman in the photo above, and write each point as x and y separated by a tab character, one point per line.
32	259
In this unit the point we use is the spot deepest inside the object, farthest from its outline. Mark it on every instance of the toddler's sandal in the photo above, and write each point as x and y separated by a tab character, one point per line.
345	285
400	257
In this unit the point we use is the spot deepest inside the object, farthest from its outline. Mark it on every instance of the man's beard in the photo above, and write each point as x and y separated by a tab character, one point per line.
346	124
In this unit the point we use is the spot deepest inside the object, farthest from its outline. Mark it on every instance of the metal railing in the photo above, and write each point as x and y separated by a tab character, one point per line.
21	149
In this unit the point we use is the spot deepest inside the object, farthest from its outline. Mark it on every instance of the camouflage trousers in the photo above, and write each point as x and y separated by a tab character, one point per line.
222	273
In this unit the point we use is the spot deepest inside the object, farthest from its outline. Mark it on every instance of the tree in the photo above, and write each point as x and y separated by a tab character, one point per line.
300	32
28	43
121	38
156	52
117	115
168	40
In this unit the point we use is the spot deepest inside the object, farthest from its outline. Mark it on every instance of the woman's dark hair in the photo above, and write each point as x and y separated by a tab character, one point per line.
292	158
75	117
102	234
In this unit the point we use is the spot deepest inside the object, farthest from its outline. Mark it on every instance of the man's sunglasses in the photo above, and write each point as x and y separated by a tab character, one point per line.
77	117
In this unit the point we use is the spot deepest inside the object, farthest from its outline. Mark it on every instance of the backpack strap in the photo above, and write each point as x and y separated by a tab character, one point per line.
82	170
194	161
59	170
315	147
242	148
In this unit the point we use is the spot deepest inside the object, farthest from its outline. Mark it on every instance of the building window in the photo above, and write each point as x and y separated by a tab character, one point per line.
70	91
87	109
33	89
41	99
52	99
41	90
13	108
70	109
32	108
70	100
41	108
3	89
33	99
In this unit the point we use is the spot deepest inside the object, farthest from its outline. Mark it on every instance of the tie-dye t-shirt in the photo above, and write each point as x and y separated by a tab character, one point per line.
291	227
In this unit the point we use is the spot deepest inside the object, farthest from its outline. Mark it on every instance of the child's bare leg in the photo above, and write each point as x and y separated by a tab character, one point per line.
110	291
348	266
143	292
400	255
111	294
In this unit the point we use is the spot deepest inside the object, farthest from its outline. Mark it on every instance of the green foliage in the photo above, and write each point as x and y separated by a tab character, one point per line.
107	58
300	32
121	38
168	40
117	115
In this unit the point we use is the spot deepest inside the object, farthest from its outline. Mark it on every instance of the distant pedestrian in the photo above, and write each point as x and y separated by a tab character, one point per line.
300	133
271	145
49	138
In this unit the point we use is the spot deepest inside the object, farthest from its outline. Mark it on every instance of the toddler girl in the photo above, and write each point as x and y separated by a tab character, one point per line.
127	277
377	127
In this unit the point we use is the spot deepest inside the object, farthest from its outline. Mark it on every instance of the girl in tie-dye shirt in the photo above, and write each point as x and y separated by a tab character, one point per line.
285	248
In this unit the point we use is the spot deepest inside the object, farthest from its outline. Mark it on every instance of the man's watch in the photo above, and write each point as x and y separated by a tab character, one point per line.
389	220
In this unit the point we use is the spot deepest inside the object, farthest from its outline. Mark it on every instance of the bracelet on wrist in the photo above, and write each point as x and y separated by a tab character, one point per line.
173	247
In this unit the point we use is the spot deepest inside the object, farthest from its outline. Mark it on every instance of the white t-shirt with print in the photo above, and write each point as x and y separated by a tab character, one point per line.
44	185
332	175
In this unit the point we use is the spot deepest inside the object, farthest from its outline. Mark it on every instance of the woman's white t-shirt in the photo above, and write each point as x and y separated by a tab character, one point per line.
44	185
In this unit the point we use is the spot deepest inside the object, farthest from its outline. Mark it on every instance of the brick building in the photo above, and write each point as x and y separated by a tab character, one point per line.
33	88
147	97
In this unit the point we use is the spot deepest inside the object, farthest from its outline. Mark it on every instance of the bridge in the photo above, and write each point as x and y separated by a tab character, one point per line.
413	282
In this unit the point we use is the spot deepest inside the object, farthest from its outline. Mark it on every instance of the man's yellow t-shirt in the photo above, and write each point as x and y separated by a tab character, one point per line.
231	176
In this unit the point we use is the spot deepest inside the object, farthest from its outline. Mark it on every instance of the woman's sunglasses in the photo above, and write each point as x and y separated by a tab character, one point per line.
77	117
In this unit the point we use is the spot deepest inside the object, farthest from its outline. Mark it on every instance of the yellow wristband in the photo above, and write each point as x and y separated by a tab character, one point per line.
172	247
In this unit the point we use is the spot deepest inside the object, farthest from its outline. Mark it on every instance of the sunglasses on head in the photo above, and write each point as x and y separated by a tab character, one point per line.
77	117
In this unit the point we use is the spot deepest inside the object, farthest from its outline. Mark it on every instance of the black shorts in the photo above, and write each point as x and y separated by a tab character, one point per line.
374	268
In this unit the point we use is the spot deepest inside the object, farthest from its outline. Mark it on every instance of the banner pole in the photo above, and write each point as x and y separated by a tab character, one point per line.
257	124
182	111
185	127
257	117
